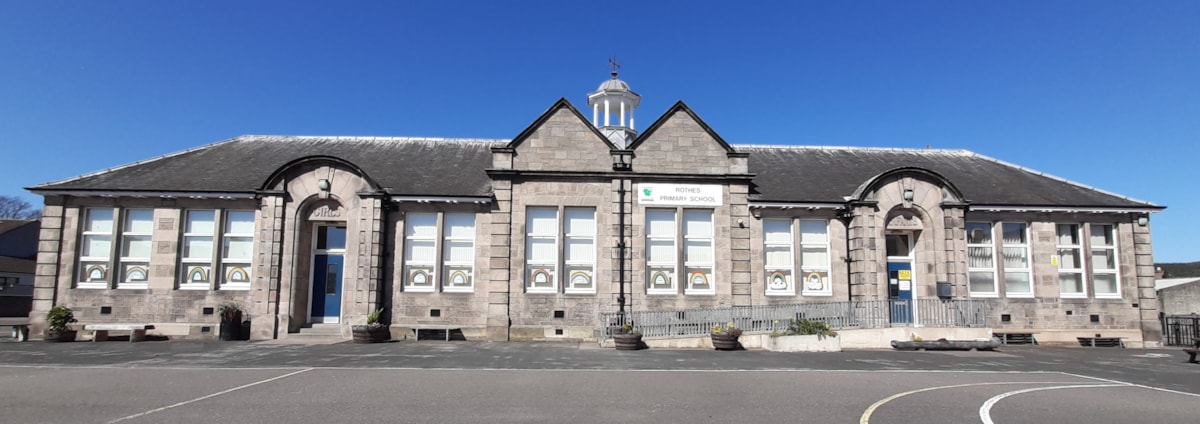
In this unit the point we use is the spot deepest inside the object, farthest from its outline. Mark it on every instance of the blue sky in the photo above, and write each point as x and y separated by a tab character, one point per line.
1105	93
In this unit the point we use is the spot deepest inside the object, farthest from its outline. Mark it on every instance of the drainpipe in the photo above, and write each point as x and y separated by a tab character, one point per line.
846	217
282	218
621	250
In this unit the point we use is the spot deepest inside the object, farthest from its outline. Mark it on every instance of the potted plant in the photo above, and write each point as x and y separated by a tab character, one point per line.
231	321
726	337
373	332
804	336
627	337
58	325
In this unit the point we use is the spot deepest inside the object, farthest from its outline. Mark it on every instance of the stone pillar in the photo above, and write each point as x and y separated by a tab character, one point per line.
49	272
366	286
955	238
739	242
266	318
1147	297
865	255
500	285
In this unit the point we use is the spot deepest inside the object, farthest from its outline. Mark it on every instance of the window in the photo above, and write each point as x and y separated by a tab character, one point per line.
1070	261
420	252
199	256
199	231
136	230
778	257
421	236
981	260
814	257
95	249
580	249
660	251
458	259
698	250
1103	245
237	250
578	235
1017	272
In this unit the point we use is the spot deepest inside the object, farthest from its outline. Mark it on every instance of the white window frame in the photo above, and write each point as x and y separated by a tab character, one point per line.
448	241
817	268
185	280
541	266
688	240
1096	270
245	264
1080	269
786	269
573	266
990	269
84	236
1027	269
429	267
140	263
673	264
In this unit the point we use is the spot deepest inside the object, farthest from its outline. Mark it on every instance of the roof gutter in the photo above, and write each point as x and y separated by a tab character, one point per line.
147	194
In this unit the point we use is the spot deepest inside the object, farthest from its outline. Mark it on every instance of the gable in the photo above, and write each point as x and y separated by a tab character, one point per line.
680	143
561	140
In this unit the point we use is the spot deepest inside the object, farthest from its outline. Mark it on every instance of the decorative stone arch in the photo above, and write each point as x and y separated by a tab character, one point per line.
950	193
299	197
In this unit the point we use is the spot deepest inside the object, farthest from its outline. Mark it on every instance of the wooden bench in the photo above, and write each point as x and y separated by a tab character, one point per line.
137	332
1193	350
20	327
1101	341
1016	338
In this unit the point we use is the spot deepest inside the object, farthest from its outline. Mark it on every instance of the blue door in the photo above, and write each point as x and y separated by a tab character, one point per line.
327	288
900	287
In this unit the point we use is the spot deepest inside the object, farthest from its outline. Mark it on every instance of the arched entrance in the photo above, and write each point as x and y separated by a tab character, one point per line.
900	239
328	259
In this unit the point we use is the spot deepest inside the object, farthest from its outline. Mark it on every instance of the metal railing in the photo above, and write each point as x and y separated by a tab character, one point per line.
1180	330
768	318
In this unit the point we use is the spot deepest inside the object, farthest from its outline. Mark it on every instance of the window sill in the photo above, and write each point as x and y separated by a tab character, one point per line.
1108	296
541	290
581	291
820	294
661	292
1073	295
1019	295
133	286
781	293
984	295
237	287
415	289
91	286
458	289
712	292
193	287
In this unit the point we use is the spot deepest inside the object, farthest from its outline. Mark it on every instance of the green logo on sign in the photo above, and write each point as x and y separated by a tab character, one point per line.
646	192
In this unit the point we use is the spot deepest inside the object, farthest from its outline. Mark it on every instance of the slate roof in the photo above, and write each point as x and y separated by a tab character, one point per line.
456	167
827	174
403	166
1166	283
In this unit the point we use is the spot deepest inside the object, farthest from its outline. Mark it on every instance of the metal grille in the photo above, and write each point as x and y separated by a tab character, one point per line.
1180	330
839	315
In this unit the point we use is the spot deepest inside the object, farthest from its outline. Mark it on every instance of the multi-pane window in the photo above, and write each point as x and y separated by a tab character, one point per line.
814	258
95	249
202	264
456	234
199	232
578	250
237	250
136	230
1070	261
420	252
668	239
541	250
1017	272
778	258
1103	245
981	259
661	261
458	258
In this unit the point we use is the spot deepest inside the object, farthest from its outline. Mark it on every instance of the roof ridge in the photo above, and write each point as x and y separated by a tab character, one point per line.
140	162
1055	177
270	137
887	149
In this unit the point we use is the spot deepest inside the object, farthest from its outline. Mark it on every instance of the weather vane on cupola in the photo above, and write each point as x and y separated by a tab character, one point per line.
615	66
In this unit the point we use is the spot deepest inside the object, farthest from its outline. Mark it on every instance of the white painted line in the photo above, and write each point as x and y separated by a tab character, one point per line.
1132	384
985	411
866	416
208	396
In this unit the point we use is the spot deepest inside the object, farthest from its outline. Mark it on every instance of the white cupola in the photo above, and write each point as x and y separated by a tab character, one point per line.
612	109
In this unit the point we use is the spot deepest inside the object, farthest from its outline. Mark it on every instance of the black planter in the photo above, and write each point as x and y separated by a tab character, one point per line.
371	334
231	326
59	336
628	341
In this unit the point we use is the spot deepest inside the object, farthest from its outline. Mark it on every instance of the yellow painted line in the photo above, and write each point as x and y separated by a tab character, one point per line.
866	416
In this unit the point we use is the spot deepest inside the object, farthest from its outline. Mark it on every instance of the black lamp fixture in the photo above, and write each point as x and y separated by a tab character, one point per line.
908	195
622	160
1143	221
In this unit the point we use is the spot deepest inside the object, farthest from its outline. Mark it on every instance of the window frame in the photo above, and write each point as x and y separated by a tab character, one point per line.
448	241
247	264
429	267
569	266
86	262
184	280
770	270
824	267
1081	267
673	264
1027	270
991	268
699	241
1115	271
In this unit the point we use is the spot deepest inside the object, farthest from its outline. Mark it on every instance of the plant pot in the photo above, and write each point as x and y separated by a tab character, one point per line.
59	336
231	326
725	341
371	334
628	341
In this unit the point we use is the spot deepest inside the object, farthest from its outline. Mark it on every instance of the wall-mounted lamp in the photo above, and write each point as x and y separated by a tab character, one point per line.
908	195
756	212
1143	221
323	185
741	223
622	160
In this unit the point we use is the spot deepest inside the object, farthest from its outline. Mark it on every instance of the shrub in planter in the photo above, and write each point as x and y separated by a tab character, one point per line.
725	337
58	325
627	337
373	332
231	321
